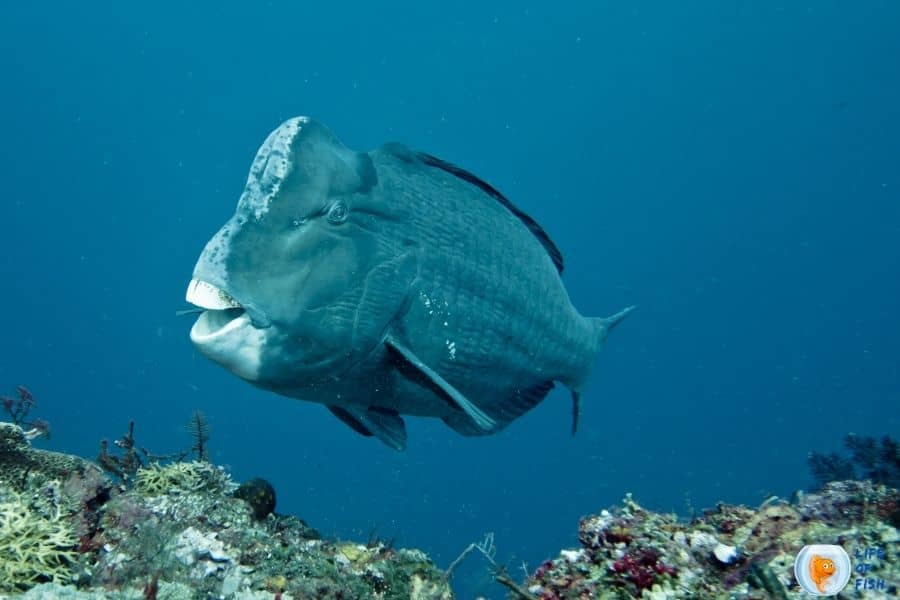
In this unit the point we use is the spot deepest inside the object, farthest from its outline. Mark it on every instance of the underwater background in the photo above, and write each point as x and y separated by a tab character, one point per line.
731	168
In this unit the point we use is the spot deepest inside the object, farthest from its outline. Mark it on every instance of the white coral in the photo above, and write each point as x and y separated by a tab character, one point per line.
193	547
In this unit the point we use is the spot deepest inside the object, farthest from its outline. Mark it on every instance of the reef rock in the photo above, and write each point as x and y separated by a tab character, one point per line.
730	552
175	531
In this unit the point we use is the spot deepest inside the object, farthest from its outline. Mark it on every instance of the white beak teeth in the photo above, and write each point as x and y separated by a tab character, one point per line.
208	296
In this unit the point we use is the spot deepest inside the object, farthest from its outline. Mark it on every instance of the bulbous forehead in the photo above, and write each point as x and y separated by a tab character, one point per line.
271	166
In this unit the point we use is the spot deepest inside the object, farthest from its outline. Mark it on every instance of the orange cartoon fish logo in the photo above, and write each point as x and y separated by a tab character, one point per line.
820	569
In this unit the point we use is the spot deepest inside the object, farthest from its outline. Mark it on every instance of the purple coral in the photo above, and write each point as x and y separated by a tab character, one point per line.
642	567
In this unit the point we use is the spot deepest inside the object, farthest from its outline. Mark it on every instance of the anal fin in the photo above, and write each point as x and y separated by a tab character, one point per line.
477	416
386	425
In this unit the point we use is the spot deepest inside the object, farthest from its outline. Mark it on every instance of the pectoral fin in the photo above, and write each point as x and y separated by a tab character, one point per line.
477	416
385	292
386	425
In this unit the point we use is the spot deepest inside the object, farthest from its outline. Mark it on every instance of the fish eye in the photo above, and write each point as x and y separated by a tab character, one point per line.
338	213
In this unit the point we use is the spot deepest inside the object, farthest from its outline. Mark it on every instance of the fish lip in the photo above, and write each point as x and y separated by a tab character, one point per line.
222	314
210	325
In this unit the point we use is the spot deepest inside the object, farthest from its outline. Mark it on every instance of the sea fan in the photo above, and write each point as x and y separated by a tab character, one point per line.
199	430
870	458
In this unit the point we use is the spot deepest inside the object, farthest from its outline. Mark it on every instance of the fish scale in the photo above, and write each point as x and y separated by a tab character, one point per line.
485	287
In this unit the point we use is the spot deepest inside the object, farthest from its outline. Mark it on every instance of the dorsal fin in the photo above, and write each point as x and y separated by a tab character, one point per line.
531	224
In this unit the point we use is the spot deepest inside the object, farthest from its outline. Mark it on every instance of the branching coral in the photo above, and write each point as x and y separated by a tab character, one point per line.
155	480
33	548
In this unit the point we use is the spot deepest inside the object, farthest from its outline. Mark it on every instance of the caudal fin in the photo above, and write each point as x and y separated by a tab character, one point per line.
602	326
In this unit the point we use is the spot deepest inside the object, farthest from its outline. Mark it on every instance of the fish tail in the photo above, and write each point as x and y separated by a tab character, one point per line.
595	334
603	325
600	328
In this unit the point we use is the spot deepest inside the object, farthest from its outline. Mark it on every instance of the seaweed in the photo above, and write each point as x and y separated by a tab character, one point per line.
870	458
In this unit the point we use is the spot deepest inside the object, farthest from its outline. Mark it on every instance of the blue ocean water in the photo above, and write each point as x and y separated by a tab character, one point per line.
731	168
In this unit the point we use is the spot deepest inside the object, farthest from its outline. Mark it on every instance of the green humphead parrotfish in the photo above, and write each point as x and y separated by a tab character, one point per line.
388	283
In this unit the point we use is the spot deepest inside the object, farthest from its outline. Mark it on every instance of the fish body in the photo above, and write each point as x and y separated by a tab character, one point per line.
821	569
388	283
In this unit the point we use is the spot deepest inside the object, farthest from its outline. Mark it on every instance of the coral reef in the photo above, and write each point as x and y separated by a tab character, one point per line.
177	531
730	552
184	530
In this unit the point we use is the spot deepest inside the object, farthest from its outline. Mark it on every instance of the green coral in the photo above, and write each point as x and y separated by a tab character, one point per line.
182	477
33	548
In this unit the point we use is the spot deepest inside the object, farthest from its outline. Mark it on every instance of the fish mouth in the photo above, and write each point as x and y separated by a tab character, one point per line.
222	314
